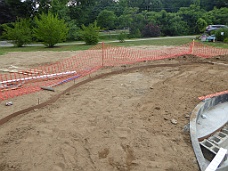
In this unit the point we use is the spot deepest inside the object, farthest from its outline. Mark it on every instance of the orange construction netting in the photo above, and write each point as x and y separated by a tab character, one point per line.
31	80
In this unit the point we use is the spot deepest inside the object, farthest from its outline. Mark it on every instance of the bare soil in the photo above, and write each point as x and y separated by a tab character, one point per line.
119	123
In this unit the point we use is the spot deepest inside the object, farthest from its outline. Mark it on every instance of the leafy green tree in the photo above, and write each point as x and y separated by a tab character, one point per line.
170	24
123	3
49	29
57	5
177	27
123	21
106	19
74	31
20	9
43	6
136	21
217	16
104	4
202	24
90	34
122	36
81	14
60	8
151	5
5	13
221	34
174	5
20	33
191	15
211	4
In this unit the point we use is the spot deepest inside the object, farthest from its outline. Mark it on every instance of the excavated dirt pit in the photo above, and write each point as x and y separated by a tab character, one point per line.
122	122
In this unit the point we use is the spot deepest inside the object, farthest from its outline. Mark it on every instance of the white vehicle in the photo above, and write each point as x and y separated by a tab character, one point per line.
214	27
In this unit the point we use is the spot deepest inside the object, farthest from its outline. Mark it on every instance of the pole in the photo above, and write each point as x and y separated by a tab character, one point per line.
102	54
192	47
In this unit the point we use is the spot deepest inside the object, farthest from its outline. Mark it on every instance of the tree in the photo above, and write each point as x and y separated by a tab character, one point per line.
43	6
151	30
217	16
20	32
135	21
177	27
106	19
74	31
221	34
210	4
5	13
90	34
170	24
201	24
123	21
50	29
191	15
81	14
59	7
175	5
122	36
151	5
20	9
104	4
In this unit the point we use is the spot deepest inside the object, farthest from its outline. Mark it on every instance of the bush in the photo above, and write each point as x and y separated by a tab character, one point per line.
74	32
225	40
122	36
50	30
151	30
20	33
90	34
201	24
106	19
134	33
219	36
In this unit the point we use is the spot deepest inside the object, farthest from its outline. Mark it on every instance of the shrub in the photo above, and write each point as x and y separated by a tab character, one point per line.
122	36
106	19
151	30
201	24
90	34
20	33
134	33
74	31
219	36
50	30
225	40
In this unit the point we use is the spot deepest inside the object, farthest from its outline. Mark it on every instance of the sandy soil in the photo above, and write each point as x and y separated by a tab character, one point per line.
119	123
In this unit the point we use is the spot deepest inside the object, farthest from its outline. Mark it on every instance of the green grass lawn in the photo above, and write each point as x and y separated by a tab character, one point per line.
157	42
74	46
217	44
70	47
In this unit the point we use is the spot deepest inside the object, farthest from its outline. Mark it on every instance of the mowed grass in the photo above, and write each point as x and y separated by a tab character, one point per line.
64	47
76	46
217	44
156	42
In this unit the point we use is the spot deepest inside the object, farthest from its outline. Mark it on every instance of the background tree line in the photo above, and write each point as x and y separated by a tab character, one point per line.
143	18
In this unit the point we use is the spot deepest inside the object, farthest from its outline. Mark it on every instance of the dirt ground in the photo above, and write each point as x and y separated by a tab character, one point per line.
118	123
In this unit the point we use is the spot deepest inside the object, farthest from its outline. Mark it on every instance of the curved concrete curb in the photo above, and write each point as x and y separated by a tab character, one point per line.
199	109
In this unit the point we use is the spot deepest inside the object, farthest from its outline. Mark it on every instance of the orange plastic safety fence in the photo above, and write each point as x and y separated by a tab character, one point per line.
212	95
31	80
204	51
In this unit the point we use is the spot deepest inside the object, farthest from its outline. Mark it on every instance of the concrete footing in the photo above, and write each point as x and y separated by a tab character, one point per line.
207	146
